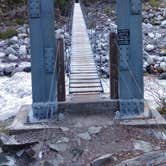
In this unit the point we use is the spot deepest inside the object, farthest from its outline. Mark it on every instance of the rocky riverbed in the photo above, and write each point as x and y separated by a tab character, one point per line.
154	34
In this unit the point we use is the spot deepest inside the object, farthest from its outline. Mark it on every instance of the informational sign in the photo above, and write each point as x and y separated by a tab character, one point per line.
123	37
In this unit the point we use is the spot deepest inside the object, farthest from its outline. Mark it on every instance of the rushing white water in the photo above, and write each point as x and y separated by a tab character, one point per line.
16	91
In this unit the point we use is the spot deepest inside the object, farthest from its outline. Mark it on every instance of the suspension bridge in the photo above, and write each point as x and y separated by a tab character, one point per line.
83	72
126	58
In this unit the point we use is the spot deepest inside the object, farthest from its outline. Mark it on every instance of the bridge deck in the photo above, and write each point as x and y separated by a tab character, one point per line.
83	72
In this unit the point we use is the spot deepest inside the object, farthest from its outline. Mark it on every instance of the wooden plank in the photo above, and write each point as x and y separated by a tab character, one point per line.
84	75
73	85
84	81
85	90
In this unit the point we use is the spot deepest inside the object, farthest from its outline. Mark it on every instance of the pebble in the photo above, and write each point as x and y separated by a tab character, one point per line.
163	24
22	35
143	146
12	57
94	130
149	47
58	147
162	76
151	35
85	136
163	66
10	50
14	40
150	60
103	160
23	50
2	54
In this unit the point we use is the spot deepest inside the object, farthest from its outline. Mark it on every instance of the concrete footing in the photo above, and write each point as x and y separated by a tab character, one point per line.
104	110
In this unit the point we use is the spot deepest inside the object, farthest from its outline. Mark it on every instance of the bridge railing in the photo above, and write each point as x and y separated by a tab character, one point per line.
61	91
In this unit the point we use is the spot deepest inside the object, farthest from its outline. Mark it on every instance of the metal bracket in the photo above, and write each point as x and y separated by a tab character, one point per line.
49	60
34	8
136	7
44	110
131	107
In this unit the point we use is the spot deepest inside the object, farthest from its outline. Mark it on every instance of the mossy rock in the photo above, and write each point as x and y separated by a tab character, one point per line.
162	110
8	34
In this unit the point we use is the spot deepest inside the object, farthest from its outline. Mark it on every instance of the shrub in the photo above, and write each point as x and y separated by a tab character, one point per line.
154	3
8	34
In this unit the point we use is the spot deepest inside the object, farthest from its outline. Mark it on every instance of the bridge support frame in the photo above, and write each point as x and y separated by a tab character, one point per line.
131	89
43	53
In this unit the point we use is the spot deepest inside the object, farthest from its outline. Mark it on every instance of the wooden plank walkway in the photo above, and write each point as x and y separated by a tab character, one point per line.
83	72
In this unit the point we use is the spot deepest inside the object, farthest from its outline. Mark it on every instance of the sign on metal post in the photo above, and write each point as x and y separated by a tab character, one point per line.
130	55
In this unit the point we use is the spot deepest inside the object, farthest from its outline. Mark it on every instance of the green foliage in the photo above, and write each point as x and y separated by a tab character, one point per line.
108	10
154	3
8	34
20	21
63	5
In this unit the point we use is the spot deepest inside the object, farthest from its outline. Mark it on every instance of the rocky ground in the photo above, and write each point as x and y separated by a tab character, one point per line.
85	141
154	34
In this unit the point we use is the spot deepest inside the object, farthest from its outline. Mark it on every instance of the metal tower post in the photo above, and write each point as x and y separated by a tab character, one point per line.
131	89
43	53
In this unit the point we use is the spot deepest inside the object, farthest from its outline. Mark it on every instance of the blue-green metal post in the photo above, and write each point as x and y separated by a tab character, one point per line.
131	89
44	92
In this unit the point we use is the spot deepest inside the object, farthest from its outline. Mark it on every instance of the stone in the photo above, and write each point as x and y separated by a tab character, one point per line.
76	152
10	50
150	60
145	64
163	66
23	50
162	76
8	143
1	150
149	47
85	136
56	162
8	70
151	158
94	130
163	24
1	71
20	153
64	140
103	160
27	41
158	35
34	152
7	160
12	57
2	54
143	146
58	147
151	35
7	140
22	35
64	129
14	40
61	116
